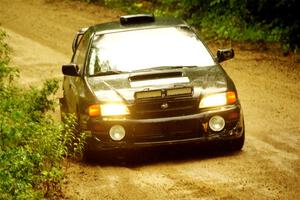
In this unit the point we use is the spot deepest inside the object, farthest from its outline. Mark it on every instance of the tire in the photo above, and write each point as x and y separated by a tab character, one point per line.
236	144
89	156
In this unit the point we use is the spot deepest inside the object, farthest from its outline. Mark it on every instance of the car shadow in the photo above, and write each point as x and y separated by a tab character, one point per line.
150	156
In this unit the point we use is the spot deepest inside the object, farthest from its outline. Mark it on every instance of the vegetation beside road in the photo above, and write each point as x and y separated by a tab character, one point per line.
231	20
32	145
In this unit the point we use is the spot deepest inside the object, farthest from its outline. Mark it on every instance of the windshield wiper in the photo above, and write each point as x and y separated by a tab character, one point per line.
111	72
163	68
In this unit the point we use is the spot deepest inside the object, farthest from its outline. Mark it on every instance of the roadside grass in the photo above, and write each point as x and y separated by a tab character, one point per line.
32	145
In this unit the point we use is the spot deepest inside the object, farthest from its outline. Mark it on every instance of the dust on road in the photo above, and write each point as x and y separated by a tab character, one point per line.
41	33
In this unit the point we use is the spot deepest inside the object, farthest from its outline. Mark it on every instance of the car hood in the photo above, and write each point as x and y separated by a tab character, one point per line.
122	87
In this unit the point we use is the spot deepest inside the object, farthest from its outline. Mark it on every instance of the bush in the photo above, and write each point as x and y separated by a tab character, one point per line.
32	146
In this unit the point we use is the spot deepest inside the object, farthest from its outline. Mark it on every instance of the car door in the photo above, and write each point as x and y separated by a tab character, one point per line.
74	84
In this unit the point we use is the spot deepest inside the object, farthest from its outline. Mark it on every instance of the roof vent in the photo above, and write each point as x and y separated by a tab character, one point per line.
137	19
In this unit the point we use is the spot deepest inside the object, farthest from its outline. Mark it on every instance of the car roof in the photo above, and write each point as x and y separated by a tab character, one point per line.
117	26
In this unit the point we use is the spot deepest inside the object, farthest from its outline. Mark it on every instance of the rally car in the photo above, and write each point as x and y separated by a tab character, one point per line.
147	81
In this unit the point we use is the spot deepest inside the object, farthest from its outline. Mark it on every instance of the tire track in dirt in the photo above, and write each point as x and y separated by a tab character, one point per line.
34	60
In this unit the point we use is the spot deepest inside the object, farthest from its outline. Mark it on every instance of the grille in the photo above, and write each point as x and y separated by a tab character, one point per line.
168	131
164	107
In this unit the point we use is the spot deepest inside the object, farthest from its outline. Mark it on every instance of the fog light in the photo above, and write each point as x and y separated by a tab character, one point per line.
117	132
216	123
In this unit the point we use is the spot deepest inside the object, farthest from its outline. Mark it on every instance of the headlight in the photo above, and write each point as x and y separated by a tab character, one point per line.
117	132
219	99
216	123
114	109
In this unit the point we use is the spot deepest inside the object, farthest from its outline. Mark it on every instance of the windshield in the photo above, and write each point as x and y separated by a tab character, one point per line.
144	49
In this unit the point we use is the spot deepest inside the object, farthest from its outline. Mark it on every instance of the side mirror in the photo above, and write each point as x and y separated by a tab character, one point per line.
225	54
70	70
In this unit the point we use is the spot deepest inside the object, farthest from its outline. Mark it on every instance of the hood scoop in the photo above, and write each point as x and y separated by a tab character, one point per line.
186	91
157	78
143	76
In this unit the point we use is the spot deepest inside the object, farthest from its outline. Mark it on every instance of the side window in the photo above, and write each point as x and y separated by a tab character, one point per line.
80	54
94	66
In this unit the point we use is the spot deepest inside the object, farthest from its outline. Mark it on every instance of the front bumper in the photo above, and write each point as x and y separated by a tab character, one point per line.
166	131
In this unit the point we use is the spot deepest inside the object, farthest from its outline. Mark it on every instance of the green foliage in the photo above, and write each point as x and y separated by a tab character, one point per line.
251	20
5	71
32	146
73	140
29	146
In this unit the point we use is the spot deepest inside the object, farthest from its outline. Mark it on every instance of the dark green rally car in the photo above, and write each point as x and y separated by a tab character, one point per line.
146	81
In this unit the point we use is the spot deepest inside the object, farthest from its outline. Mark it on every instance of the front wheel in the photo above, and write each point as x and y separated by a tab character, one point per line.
236	144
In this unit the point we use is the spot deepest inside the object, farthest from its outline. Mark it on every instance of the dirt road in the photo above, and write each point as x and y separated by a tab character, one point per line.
41	32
